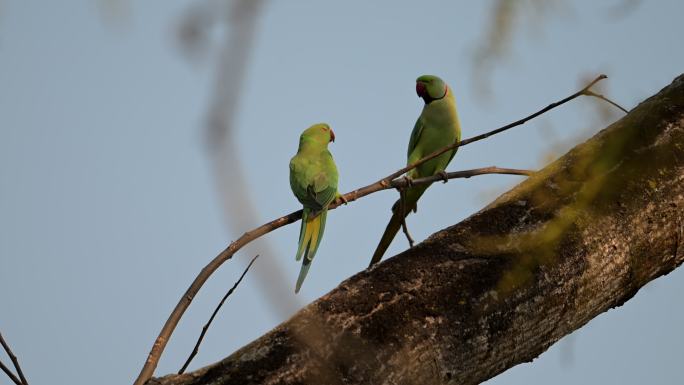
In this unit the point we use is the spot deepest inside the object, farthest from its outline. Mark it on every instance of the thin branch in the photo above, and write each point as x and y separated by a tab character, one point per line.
402	209
10	374
605	99
404	228
383	184
519	122
404	182
239	21
15	362
206	326
401	182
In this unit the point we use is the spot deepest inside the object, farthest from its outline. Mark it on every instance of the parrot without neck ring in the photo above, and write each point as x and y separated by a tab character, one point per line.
313	179
436	127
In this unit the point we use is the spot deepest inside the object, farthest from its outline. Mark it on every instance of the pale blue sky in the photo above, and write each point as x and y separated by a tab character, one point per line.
108	209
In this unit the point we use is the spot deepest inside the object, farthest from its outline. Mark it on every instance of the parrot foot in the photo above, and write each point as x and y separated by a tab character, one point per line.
342	199
408	180
443	174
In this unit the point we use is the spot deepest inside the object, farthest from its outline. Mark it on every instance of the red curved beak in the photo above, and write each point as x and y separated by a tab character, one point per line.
332	135
420	89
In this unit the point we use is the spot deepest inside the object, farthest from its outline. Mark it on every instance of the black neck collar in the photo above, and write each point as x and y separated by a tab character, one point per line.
427	99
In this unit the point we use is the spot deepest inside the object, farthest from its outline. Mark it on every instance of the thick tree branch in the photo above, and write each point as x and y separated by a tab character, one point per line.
574	240
160	343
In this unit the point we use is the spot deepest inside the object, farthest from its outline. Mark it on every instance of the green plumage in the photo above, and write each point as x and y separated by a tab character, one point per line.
313	179
436	127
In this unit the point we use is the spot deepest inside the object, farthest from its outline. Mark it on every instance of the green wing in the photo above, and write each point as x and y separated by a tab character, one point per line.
413	141
314	182
324	186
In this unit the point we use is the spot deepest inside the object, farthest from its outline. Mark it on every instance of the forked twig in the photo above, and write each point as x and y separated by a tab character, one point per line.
19	381
605	99
519	122
10	374
404	228
206	326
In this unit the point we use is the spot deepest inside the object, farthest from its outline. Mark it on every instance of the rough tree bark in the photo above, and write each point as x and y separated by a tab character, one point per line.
574	240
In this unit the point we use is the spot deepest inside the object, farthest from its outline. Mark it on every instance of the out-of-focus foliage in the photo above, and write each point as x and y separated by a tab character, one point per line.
507	18
583	182
228	28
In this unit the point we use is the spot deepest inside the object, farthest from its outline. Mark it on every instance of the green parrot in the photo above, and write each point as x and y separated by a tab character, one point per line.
436	127
313	179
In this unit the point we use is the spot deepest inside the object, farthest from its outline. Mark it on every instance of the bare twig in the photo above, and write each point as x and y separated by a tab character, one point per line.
404	228
206	326
605	99
519	122
399	183
237	23
10	374
402	183
15	362
240	25
402	210
382	184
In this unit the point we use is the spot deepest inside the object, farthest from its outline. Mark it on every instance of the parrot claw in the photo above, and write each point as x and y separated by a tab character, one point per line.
444	176
409	181
342	199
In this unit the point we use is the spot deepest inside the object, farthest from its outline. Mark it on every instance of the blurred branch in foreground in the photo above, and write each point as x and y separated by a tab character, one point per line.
455	309
238	20
506	17
382	184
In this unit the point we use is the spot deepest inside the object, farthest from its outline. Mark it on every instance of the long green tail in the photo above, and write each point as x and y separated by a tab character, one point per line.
390	232
310	235
410	201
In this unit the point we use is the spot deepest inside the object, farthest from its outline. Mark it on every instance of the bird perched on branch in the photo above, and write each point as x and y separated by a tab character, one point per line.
313	179
436	127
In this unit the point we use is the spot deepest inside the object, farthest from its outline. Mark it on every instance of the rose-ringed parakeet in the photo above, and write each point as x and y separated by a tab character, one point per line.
436	128
313	179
